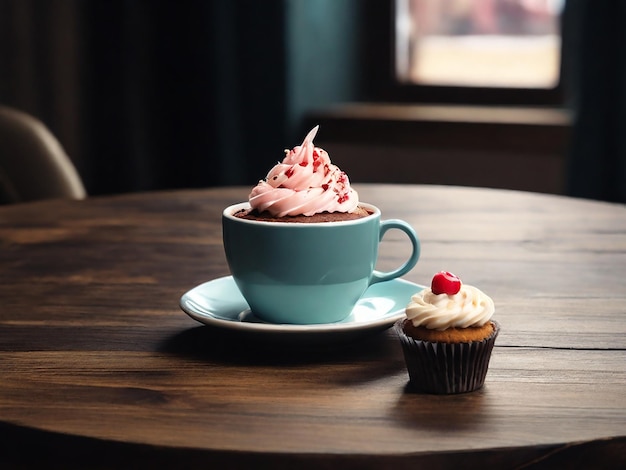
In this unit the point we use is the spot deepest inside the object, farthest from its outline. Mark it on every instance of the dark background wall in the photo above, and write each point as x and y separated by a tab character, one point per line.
157	94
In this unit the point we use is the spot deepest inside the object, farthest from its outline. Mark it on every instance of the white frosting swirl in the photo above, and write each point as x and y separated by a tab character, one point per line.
469	307
305	183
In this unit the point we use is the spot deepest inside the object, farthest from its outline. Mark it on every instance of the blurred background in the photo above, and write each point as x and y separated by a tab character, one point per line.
163	94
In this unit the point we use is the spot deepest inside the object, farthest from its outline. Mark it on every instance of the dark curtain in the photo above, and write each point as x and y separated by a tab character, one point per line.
151	94
595	32
181	93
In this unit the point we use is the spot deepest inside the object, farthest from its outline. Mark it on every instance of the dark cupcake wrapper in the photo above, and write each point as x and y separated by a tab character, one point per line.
446	368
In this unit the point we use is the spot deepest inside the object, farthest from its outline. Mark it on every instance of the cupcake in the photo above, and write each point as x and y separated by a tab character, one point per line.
305	187
447	336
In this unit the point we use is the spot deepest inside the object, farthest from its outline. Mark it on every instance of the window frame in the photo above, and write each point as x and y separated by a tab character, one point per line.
402	91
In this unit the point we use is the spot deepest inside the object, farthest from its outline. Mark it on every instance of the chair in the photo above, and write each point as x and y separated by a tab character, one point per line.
33	164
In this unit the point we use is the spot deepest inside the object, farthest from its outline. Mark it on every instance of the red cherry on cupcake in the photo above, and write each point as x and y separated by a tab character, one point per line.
445	283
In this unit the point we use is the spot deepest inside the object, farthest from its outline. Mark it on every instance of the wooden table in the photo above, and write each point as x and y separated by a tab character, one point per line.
101	369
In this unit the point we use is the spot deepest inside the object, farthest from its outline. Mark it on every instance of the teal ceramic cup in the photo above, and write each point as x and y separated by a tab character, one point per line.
308	273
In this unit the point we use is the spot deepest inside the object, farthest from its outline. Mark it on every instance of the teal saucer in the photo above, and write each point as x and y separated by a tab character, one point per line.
219	304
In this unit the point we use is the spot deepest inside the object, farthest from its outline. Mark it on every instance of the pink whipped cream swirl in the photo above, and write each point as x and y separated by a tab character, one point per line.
305	183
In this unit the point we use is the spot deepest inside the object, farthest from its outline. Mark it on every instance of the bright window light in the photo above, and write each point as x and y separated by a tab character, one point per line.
479	43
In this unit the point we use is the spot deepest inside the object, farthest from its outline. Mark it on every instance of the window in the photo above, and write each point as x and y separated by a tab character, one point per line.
507	47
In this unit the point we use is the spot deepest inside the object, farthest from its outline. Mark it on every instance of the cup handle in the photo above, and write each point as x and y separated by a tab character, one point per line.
385	225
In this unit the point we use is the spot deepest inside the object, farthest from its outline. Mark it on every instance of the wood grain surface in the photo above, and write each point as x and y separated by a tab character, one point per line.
101	368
